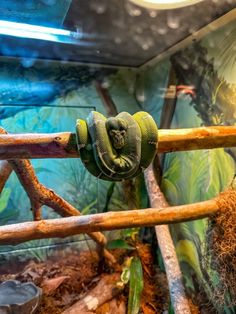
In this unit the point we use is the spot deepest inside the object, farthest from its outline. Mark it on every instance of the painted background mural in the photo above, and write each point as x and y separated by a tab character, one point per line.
205	79
49	97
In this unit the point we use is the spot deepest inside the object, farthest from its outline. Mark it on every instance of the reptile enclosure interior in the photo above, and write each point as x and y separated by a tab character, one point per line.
117	156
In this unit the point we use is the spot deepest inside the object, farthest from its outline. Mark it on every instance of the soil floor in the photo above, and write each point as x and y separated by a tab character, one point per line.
65	280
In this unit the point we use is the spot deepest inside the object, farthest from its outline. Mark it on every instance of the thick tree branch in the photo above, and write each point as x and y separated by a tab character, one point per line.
174	275
63	145
63	227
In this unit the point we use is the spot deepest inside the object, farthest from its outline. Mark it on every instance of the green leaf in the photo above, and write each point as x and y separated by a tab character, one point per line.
135	286
125	276
4	198
187	253
42	169
119	244
130	232
86	210
196	176
171	310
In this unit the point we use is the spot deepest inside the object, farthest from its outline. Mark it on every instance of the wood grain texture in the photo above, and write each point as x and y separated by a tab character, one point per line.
63	227
63	145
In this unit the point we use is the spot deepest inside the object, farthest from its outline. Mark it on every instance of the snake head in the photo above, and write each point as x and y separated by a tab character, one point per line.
116	129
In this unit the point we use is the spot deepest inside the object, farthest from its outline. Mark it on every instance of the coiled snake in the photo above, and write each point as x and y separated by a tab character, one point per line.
117	148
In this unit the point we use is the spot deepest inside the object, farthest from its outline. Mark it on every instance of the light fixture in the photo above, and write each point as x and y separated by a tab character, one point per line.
38	32
164	4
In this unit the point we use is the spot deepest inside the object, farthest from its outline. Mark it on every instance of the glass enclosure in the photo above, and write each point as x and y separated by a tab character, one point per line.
178	64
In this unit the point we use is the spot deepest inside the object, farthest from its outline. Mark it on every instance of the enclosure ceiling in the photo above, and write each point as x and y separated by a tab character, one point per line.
113	32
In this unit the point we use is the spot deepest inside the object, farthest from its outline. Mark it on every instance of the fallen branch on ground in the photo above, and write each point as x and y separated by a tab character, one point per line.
105	290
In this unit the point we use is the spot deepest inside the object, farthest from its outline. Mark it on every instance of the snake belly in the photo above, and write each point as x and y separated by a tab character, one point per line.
117	148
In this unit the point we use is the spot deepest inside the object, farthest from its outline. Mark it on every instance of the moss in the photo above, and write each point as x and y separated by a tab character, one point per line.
221	236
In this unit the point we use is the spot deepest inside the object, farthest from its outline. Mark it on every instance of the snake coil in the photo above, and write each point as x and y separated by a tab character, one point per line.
117	148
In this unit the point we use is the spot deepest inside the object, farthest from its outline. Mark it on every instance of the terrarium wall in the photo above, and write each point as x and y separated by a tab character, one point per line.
204	74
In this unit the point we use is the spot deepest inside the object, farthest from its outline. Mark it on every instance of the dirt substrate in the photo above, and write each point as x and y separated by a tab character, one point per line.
65	280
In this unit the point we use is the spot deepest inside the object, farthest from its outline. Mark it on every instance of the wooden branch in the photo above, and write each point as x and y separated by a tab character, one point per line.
114	306
28	146
174	276
5	171
196	138
63	145
105	290
40	195
5	168
63	227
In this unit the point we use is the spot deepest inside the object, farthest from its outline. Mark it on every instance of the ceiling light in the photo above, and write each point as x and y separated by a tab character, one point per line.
38	32
164	4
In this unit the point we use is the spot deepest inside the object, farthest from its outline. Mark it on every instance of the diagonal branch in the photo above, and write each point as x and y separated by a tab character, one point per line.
173	272
5	171
40	195
5	168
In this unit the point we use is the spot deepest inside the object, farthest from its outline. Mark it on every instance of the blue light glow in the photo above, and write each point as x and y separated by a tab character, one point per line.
38	32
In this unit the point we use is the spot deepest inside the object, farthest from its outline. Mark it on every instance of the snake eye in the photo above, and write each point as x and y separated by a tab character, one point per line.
122	132
111	133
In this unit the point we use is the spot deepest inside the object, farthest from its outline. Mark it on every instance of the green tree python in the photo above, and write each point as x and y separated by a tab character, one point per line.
117	148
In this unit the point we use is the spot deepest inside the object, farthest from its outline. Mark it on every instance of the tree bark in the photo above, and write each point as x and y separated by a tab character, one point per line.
63	227
40	195
63	145
5	171
5	168
105	290
174	276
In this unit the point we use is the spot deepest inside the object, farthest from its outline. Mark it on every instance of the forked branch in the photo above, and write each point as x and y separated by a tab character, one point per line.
40	195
